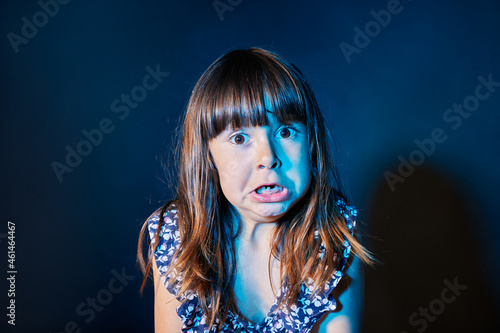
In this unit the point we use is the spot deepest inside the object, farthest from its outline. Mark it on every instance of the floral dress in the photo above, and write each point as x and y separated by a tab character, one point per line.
300	317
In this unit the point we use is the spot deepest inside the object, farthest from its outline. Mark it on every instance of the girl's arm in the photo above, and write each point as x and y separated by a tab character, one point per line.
349	296
166	318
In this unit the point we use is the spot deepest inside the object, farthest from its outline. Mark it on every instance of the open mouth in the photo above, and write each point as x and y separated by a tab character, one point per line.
269	189
271	193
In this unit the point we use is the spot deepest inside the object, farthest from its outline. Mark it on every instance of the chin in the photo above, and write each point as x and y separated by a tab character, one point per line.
273	212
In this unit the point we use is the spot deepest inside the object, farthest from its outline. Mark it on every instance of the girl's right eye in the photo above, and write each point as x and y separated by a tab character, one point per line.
239	138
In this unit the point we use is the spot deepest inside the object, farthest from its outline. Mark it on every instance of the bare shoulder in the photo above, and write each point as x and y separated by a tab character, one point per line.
349	296
166	318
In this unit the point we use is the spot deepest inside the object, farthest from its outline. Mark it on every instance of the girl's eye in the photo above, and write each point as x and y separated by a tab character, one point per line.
286	132
239	139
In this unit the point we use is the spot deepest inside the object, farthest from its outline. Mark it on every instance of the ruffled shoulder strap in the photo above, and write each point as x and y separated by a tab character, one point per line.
169	242
349	213
167	245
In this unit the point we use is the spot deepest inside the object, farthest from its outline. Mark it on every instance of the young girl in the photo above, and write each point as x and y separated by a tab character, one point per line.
259	234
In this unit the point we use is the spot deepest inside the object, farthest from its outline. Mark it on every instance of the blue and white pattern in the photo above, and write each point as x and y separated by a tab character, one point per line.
300	317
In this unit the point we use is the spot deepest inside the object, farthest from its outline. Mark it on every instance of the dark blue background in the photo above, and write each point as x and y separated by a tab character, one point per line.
440	224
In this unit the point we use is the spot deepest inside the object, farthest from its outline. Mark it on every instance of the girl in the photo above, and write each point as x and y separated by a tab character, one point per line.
259	234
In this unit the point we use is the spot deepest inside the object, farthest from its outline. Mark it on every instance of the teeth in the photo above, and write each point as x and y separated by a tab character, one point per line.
269	189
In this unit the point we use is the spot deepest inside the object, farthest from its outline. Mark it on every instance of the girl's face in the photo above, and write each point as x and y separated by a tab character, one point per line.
263	170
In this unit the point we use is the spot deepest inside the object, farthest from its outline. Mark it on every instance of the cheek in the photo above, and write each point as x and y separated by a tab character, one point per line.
228	171
302	167
232	170
305	175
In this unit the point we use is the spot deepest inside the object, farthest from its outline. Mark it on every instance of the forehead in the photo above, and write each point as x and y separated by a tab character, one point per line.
240	92
272	121
251	110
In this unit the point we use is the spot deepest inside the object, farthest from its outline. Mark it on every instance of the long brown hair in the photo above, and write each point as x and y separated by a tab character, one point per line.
233	92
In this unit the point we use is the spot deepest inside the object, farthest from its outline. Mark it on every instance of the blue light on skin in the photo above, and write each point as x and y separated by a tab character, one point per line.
247	158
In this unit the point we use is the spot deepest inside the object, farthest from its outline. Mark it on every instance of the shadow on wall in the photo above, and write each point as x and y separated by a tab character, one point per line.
429	279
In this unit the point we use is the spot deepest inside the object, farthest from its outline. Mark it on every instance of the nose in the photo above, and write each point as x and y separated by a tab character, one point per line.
266	154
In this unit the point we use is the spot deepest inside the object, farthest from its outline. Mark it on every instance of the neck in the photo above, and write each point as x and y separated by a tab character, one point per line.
254	232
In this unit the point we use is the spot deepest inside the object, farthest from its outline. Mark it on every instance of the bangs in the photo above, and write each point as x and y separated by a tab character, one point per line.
243	87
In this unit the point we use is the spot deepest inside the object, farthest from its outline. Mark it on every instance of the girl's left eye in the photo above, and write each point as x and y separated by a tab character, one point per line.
286	132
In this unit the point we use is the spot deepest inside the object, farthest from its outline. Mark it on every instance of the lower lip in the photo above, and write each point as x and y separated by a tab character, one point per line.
275	197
